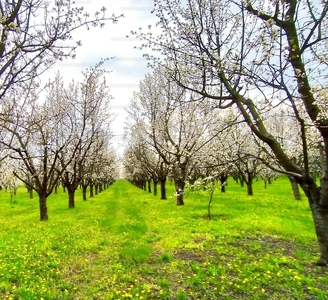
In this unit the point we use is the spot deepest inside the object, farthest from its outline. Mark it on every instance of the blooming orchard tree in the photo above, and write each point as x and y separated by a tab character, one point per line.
88	106
103	172
152	164
214	161
34	34
36	133
173	123
246	155
256	56
49	137
134	170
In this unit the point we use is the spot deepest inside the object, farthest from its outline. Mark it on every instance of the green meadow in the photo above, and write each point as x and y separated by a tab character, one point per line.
126	243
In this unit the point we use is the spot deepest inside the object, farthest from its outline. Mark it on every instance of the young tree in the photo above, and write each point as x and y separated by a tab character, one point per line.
34	34
263	56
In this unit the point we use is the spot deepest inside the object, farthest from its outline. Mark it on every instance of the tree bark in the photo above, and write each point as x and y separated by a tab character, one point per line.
179	190
43	207
84	192
320	218
223	180
155	187
295	188
149	185
71	198
317	198
248	179
249	188
163	188
91	190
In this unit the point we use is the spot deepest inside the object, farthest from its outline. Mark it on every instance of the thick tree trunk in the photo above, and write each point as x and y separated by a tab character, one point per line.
43	207
249	188
71	198
223	180
295	188
163	188
96	189
317	197
248	179
179	190
320	218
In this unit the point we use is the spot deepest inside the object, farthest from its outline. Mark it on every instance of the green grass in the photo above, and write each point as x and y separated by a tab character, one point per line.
127	244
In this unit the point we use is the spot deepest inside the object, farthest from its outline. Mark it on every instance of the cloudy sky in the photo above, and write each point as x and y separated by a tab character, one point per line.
128	67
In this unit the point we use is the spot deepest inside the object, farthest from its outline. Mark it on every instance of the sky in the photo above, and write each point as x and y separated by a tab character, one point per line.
127	67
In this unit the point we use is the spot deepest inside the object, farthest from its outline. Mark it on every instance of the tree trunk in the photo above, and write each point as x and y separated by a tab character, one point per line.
71	198
179	189
317	197
249	183
100	188
249	188
91	190
241	181
96	189
163	188
223	180
43	207
320	218
84	192
149	185
155	187
295	188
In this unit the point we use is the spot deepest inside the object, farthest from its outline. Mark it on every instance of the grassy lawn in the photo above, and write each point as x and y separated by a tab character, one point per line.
126	243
